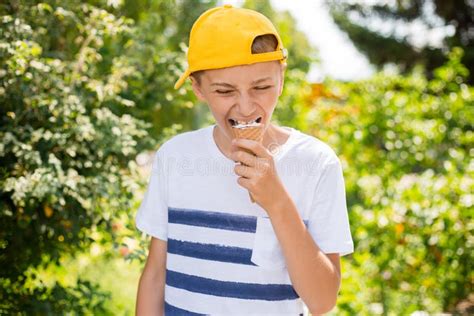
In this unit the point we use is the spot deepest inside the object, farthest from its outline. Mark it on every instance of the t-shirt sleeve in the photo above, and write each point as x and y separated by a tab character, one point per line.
328	222
152	215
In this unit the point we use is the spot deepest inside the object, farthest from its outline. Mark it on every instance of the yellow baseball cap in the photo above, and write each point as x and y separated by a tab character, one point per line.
222	37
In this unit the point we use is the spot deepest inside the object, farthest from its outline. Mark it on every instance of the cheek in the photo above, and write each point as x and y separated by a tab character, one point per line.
268	102
220	108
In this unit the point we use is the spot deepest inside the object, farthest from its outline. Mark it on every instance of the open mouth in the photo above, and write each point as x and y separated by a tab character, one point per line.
236	122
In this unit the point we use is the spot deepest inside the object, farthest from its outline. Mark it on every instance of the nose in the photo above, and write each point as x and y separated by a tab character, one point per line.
246	105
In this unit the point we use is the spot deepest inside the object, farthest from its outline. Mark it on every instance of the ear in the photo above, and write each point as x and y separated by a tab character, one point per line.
197	89
282	81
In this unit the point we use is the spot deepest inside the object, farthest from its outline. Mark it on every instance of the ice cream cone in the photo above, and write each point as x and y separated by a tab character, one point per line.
253	132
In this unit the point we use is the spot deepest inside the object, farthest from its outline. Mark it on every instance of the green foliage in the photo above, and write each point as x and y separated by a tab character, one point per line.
406	143
67	158
85	298
118	281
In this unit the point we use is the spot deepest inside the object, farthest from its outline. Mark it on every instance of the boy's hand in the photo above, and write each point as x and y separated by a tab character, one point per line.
257	172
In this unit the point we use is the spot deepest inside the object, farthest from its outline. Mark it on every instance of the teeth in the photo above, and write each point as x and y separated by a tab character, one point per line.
237	122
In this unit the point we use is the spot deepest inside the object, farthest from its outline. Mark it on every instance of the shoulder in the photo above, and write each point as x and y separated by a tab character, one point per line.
186	142
312	148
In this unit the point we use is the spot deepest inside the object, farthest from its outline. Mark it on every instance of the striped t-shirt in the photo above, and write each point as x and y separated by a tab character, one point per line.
223	257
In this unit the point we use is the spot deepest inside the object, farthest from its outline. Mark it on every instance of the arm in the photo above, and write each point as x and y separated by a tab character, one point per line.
151	287
315	276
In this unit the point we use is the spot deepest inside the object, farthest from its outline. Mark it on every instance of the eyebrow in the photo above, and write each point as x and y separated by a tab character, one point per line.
261	80
223	84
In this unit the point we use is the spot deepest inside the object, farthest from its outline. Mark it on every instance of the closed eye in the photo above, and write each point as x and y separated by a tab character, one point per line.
262	87
224	91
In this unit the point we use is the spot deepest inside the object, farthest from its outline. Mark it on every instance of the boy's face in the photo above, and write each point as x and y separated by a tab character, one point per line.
244	93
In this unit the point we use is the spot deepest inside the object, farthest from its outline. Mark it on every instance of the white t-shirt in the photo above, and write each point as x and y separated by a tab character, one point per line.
223	256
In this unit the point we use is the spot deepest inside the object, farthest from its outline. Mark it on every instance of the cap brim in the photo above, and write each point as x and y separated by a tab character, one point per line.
181	79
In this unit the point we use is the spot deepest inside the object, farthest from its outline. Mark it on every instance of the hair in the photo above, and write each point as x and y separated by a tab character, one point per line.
261	44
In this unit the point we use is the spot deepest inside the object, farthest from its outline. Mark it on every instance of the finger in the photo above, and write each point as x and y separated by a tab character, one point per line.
244	182
243	171
244	157
252	145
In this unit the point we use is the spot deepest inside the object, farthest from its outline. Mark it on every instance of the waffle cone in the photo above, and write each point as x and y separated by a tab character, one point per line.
253	133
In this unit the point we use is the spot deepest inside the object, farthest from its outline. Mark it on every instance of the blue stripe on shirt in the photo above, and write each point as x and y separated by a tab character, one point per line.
210	252
175	311
208	219
251	291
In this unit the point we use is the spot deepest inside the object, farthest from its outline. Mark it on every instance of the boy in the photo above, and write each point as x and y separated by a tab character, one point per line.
213	251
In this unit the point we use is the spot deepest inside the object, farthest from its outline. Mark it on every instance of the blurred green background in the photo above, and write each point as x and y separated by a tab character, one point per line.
86	93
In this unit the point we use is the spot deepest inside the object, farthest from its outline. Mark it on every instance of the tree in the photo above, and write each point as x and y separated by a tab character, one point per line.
383	47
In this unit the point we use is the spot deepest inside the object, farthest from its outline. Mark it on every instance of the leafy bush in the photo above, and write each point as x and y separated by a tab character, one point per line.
406	144
67	158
